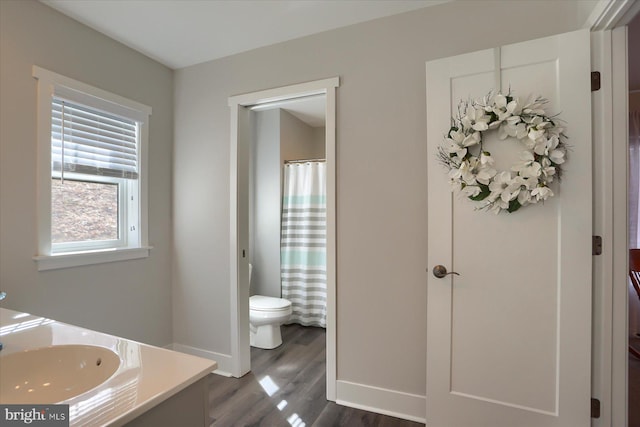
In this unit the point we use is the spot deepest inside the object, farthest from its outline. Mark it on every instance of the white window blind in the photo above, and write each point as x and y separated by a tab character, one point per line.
89	141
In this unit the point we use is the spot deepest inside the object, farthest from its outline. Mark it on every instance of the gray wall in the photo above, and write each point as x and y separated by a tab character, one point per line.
279	136
298	140
381	172
265	209
319	142
132	298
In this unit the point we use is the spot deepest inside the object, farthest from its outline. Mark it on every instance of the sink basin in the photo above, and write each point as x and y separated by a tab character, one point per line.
53	374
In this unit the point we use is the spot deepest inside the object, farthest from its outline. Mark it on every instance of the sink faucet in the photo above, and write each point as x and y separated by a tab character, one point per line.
2	296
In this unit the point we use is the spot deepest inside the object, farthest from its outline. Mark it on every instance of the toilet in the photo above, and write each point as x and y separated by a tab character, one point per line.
266	314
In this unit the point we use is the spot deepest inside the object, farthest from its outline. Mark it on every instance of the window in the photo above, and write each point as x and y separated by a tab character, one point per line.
92	177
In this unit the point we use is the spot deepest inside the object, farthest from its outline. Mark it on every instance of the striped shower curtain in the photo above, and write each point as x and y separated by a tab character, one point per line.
303	256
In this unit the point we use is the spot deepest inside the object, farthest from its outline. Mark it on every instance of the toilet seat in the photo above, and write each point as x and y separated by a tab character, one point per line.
272	304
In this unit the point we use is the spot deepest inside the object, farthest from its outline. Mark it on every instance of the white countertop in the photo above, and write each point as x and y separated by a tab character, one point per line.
147	375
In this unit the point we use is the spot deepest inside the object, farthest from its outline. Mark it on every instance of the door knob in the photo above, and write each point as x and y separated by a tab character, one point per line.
440	271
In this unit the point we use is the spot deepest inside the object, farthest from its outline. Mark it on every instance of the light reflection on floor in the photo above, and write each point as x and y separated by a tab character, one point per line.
268	385
295	421
270	388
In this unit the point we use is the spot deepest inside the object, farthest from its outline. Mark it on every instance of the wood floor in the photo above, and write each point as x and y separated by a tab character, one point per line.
287	387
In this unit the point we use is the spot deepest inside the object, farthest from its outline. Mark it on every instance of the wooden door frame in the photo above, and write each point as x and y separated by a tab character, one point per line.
610	135
239	290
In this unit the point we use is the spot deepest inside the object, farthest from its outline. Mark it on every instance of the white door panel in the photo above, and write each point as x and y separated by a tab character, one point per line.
508	341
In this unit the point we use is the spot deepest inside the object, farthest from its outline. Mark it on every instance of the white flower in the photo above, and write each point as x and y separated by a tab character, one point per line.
476	119
500	182
503	187
532	120
471	139
548	171
541	192
520	189
550	148
486	159
498	206
470	191
485	174
544	146
485	171
535	134
456	149
455	174
456	136
503	109
514	120
467	171
512	129
557	156
528	167
524	197
455	143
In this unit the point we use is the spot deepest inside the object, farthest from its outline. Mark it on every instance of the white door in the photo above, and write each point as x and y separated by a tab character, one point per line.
509	339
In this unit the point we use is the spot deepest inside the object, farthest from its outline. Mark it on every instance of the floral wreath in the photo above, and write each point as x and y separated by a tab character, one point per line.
473	175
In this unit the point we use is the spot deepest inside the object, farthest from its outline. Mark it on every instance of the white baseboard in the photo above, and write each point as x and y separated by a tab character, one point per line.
382	401
223	360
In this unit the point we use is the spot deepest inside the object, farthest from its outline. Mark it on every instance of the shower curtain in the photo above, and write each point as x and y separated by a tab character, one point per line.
303	239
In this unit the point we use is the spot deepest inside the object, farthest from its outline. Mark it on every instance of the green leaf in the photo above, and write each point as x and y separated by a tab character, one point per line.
509	98
484	193
514	205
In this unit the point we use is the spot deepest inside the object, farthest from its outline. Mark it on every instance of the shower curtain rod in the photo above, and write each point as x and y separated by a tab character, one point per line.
286	162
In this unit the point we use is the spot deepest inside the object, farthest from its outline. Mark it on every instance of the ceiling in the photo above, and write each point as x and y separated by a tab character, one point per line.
180	33
309	109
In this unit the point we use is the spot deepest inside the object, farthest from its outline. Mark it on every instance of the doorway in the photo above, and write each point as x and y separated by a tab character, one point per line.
288	136
241	135
633	371
610	355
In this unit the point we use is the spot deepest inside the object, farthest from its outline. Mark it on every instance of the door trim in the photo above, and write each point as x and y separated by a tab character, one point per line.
610	133
241	363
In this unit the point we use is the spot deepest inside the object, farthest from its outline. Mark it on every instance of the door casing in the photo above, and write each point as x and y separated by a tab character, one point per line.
610	135
239	278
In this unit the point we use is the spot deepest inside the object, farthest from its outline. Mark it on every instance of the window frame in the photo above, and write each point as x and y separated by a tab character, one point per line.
133	243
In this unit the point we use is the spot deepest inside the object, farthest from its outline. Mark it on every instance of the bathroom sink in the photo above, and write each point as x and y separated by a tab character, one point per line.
53	374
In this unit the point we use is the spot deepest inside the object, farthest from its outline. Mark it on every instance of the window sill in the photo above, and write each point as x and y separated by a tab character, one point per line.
77	259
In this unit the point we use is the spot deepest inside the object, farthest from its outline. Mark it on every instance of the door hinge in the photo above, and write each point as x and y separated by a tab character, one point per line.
595	81
596	245
595	408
